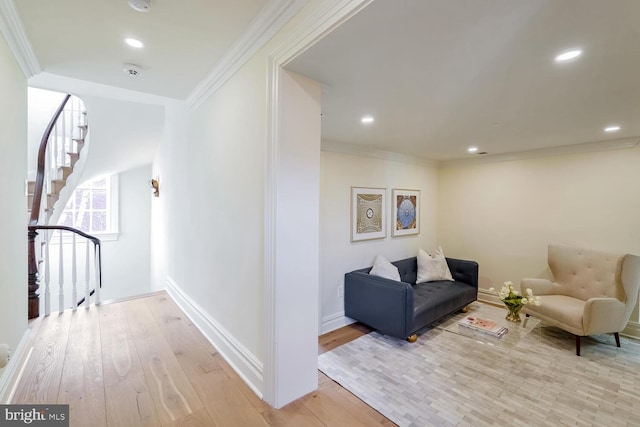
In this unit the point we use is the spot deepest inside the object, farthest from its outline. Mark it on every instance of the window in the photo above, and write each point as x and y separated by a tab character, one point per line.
92	207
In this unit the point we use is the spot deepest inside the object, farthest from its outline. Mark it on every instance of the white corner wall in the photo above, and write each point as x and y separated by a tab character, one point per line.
208	223
338	255
13	216
504	214
126	261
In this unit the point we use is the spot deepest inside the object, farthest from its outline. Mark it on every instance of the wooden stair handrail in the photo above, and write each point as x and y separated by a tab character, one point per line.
42	156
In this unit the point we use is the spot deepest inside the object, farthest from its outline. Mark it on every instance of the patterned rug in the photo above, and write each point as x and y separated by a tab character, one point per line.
448	379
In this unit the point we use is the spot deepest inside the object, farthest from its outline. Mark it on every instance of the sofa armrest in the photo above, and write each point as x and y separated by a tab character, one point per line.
539	286
464	271
603	315
383	304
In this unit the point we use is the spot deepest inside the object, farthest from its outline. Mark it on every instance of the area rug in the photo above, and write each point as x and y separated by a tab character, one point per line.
447	379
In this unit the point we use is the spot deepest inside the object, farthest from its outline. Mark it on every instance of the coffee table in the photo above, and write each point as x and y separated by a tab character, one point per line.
487	311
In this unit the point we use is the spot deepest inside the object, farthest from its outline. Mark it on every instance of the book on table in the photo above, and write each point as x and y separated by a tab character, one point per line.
483	325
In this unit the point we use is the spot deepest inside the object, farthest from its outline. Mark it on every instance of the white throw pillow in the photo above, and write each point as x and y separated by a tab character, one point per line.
383	268
432	268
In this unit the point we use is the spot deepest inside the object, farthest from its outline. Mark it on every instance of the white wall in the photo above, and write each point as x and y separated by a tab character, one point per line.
505	214
126	261
13	215
210	213
123	135
296	249
338	255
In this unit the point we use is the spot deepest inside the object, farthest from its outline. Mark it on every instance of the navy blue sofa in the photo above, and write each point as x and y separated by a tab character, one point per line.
400	309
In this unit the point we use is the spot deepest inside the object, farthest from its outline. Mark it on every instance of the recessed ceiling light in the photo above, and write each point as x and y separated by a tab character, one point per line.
472	149
568	55
612	129
366	120
134	43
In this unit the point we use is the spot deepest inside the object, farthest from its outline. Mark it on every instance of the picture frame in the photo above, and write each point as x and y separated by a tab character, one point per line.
405	216
368	213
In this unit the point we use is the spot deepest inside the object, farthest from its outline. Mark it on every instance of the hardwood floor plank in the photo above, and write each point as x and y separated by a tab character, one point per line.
127	396
200	418
172	393
81	384
226	403
41	382
333	339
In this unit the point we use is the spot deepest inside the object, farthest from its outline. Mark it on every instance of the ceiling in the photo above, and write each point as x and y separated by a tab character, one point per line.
184	40
439	76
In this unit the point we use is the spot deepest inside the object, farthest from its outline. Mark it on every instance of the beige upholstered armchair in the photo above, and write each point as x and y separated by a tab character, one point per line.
591	292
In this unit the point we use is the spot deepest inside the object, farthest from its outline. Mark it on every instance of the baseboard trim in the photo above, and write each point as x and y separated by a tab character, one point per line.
632	330
13	370
334	321
246	365
133	297
489	297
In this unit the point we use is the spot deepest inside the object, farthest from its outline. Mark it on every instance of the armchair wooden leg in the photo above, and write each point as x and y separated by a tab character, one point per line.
412	338
577	345
465	309
615	334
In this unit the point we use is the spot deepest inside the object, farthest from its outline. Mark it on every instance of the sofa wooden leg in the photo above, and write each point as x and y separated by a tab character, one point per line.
577	345
465	309
412	338
615	334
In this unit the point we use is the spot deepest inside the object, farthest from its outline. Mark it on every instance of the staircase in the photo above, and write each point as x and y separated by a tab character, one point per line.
65	145
58	155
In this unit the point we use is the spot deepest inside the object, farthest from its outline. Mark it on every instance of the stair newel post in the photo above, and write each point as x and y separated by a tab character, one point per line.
61	275
87	277
47	275
32	286
74	276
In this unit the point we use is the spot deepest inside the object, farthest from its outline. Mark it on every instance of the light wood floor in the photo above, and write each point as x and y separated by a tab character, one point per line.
142	363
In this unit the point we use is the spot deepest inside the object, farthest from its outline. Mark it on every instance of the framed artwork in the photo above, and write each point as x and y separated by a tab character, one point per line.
406	212
368	207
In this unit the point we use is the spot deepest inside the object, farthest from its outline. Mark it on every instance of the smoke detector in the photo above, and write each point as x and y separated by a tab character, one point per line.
140	5
132	70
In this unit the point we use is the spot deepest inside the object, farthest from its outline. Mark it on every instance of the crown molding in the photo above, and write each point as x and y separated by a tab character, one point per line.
364	151
13	31
269	21
587	147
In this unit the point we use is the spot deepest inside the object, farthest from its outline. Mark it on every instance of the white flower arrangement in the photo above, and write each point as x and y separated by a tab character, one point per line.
514	300
512	297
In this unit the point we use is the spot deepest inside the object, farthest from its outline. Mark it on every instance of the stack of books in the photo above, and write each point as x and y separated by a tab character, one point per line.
485	326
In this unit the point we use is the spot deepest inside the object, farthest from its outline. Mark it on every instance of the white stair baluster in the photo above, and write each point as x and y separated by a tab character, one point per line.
96	259
47	275
61	275
87	295
74	276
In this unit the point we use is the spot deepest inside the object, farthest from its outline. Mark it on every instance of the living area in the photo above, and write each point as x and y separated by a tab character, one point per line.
502	210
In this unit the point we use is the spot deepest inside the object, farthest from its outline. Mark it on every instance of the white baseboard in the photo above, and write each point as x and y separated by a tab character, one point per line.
246	365
12	371
334	321
485	296
632	330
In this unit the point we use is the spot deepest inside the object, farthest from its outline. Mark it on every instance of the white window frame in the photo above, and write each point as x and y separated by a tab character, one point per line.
113	212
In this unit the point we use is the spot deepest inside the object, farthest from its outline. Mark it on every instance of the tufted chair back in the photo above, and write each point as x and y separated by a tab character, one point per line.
584	273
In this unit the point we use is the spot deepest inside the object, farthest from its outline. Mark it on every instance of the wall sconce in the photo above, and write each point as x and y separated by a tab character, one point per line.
153	183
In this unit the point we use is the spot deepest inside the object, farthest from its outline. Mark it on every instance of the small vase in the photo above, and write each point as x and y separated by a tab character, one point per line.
513	314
